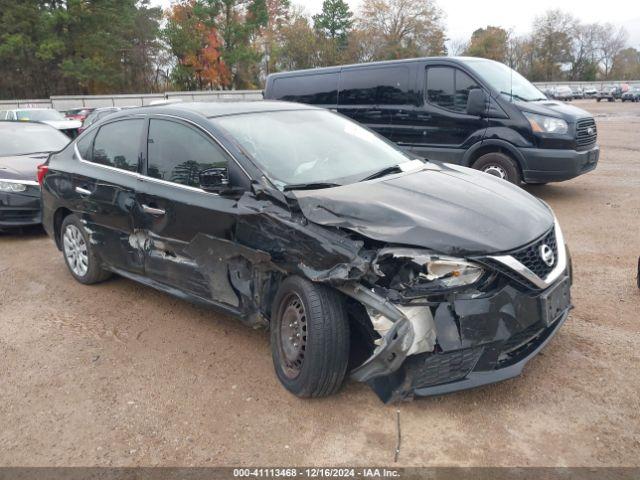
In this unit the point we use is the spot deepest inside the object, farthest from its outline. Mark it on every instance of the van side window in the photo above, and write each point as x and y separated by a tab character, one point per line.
449	88
117	144
316	89
178	153
381	86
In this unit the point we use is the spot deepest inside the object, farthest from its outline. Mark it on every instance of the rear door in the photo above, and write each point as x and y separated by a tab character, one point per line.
439	128
104	190
176	213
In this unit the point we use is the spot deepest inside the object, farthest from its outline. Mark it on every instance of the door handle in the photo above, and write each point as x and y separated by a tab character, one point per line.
153	211
83	191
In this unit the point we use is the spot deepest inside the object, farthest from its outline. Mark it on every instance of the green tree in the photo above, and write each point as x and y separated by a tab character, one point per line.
490	42
335	20
552	43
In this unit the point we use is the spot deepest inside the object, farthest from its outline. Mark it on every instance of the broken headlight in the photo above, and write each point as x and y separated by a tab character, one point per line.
403	268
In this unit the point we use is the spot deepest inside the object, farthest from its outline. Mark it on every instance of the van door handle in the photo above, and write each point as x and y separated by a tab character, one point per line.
158	212
83	191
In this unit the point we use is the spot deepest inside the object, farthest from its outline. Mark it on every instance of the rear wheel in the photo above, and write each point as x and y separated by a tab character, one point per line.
309	338
499	165
79	254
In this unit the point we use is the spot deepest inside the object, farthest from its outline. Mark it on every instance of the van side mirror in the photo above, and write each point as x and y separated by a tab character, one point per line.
477	102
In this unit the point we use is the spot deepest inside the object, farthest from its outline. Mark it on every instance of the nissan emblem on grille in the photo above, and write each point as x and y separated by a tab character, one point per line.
591	130
547	255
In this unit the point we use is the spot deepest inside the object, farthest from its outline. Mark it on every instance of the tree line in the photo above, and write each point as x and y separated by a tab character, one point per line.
57	47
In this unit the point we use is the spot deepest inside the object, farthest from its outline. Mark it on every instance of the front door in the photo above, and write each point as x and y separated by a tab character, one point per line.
440	129
179	220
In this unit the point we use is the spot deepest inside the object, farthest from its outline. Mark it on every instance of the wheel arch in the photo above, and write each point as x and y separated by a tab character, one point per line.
493	146
58	217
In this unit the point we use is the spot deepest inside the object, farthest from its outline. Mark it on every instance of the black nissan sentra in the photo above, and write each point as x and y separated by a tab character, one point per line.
417	278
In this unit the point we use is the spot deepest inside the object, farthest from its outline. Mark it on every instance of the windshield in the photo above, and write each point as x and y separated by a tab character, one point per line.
310	146
17	139
43	115
505	80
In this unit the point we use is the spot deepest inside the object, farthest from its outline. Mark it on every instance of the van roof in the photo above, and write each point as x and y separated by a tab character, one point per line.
337	68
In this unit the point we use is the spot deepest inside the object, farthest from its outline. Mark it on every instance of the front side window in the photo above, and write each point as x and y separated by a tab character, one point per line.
178	153
117	144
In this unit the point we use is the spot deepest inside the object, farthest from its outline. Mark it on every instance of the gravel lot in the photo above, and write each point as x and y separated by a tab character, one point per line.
119	374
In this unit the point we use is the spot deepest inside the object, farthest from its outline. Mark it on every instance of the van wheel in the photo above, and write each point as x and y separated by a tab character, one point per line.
499	165
79	254
309	338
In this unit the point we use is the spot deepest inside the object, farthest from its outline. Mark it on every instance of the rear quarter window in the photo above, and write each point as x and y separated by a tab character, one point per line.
381	86
317	89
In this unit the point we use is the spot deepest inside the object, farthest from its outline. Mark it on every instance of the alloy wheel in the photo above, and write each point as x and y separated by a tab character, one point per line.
75	250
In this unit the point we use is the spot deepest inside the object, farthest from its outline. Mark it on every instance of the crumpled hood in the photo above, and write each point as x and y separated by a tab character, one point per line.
64	124
445	208
554	108
21	167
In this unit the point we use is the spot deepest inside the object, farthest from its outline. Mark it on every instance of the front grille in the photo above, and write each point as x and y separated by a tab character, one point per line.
531	256
586	132
436	368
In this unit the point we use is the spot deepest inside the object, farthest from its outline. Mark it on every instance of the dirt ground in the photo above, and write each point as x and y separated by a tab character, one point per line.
121	375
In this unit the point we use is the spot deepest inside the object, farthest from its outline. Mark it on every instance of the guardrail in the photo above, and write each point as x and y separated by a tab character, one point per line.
67	102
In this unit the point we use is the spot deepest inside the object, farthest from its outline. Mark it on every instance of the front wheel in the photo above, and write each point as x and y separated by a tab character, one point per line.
79	254
499	165
309	338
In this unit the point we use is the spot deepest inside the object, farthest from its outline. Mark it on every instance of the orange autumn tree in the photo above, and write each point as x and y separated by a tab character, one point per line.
196	45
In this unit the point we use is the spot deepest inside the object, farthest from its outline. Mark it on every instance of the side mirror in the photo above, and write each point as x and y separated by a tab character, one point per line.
214	179
477	102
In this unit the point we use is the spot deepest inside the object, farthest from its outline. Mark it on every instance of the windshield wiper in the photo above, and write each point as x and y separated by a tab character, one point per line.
310	186
384	172
516	96
31	153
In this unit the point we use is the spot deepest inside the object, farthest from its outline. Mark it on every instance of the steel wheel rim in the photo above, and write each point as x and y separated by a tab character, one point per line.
292	338
75	250
496	171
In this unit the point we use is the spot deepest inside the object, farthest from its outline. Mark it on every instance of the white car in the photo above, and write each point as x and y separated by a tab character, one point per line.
43	115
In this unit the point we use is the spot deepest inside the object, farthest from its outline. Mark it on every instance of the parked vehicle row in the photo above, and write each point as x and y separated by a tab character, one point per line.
468	111
48	116
24	146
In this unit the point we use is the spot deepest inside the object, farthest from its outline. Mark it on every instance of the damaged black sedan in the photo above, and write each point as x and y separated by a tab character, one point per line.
417	278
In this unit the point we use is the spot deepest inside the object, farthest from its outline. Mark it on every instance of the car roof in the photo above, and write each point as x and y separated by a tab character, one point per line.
6	124
217	109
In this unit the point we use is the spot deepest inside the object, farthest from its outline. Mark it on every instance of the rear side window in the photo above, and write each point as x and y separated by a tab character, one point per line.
117	144
380	86
449	88
178	153
84	146
317	89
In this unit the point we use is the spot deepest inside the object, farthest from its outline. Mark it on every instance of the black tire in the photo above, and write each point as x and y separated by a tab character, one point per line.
317	367
94	273
537	183
598	100
503	166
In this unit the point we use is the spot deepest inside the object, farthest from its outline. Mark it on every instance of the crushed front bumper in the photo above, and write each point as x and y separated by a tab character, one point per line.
480	341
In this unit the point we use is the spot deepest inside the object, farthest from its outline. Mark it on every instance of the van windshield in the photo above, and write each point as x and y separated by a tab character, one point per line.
505	80
311	147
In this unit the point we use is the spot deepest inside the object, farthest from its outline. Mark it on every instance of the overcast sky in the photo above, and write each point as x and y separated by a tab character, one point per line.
464	16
